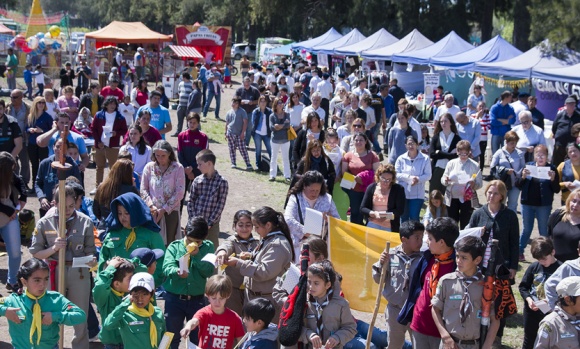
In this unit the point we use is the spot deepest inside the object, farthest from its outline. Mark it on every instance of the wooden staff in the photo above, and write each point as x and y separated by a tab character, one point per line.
384	269
62	167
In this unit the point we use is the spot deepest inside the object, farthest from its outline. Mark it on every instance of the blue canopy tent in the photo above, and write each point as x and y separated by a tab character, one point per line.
379	39
565	74
411	42
308	45
284	50
353	37
449	45
523	65
495	50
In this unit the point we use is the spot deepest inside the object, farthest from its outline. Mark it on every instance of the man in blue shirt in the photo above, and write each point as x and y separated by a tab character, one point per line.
502	117
469	129
212	92
389	106
160	118
203	79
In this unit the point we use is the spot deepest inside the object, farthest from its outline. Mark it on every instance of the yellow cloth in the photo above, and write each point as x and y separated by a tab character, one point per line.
146	313
190	248
94	105
117	293
130	239
355	248
36	318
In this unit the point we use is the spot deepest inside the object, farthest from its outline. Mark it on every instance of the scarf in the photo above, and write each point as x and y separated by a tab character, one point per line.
319	308
130	239
407	260
117	293
573	320
315	163
190	248
36	318
444	258
466	307
146	313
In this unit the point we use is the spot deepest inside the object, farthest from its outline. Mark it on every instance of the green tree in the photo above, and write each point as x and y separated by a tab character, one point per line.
559	22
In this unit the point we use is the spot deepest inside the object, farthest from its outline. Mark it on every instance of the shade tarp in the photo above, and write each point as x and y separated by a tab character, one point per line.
450	44
569	74
284	50
522	66
329	36
128	32
379	39
5	30
183	51
411	42
495	50
353	37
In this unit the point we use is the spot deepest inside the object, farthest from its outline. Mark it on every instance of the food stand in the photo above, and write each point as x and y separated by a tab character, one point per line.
174	62
213	42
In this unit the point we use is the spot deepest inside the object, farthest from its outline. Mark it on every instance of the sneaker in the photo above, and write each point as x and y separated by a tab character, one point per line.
522	257
94	339
381	157
233	166
272	179
93	192
204	119
218	118
287	180
249	168
175	134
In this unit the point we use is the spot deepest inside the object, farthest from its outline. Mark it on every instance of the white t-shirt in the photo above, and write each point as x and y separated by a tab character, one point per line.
443	109
128	111
108	128
325	89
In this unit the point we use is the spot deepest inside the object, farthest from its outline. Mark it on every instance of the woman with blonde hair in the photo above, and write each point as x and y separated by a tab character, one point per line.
564	228
38	122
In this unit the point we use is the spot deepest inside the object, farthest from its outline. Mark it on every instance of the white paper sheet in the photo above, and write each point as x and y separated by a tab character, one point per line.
183	264
576	183
313	222
540	172
543	306
211	258
463	178
82	262
191	345
291	278
166	340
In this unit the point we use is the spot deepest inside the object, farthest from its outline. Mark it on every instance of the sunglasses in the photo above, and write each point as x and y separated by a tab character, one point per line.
356	126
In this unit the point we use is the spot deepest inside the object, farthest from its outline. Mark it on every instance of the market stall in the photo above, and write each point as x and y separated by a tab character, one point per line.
175	58
212	42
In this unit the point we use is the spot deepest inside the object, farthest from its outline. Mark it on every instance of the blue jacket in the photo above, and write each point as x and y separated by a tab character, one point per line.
499	111
27	76
138	210
256	120
265	339
47	179
547	188
406	313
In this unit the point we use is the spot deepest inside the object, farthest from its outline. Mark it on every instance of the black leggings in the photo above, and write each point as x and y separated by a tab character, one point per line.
461	212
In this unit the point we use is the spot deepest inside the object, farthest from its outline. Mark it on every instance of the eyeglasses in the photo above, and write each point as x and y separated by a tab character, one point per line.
526	122
41	103
384	180
15	97
463	154
356	126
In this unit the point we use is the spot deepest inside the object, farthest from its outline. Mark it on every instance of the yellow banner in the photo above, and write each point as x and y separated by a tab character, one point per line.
353	250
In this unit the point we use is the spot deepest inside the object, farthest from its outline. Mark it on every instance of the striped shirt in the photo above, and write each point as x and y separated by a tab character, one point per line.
184	90
485	122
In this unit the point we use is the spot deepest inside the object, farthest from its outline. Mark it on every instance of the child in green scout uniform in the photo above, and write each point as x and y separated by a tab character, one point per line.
458	300
140	323
184	296
145	259
111	285
130	227
35	314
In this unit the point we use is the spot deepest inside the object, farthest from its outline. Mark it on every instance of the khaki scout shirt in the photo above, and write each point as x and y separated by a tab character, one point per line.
557	333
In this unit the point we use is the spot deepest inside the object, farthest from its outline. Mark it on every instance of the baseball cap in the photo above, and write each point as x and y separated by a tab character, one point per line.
569	286
140	49
147	255
144	280
570	100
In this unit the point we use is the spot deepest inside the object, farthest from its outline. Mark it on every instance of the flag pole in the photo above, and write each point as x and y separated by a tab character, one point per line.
384	269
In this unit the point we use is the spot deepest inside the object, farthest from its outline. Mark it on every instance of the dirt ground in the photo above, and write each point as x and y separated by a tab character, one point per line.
246	191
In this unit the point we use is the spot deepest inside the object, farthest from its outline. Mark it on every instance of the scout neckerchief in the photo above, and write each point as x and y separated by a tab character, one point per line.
318	307
575	321
189	248
246	242
466	306
69	221
117	293
408	260
36	325
146	313
444	258
263	241
130	239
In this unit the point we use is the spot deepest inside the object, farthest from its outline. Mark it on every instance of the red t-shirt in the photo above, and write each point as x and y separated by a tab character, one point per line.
422	318
108	91
357	164
218	331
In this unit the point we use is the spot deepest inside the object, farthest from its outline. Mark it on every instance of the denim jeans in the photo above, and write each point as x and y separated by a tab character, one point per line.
210	96
375	137
496	143
28	90
375	225
11	235
204	93
412	210
379	340
258	139
513	198
541	213
177	311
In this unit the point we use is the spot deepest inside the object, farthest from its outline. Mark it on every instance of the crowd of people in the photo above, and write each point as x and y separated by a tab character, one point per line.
327	133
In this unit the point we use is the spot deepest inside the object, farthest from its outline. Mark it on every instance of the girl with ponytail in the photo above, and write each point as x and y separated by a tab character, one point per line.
270	259
34	313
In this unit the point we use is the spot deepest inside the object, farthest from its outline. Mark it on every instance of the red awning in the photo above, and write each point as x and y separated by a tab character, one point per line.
185	51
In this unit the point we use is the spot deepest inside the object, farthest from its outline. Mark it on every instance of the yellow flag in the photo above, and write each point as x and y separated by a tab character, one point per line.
353	251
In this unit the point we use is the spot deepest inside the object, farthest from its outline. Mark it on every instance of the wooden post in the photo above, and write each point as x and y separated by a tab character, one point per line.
384	269
62	167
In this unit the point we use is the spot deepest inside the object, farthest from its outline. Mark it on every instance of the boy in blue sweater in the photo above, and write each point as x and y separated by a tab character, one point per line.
257	316
28	80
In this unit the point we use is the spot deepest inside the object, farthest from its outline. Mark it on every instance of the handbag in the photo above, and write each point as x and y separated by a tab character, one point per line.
291	134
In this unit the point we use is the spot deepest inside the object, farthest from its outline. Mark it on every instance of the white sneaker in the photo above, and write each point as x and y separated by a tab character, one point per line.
93	192
94	339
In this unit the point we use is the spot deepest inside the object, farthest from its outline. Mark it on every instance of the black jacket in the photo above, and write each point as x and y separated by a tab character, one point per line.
436	153
87	101
301	143
396	203
326	168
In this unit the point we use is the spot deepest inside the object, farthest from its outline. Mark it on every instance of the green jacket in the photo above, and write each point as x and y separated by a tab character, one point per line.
63	312
106	302
134	329
114	245
194	284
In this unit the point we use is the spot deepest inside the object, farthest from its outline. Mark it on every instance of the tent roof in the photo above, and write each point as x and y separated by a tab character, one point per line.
128	32
183	51
450	44
353	37
327	37
495	50
379	39
5	30
411	42
569	74
522	66
281	50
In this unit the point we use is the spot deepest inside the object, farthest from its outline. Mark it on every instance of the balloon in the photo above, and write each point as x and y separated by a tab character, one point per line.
39	35
19	40
54	31
32	42
26	49
42	43
56	45
48	39
12	43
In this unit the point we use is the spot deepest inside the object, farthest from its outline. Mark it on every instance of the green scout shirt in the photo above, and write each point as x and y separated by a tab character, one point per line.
134	329
194	284
106	302
62	310
114	245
